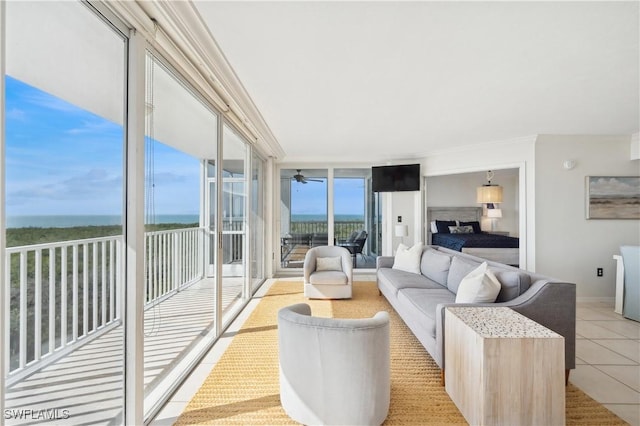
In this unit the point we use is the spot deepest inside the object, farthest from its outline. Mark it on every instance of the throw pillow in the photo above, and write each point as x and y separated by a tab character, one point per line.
329	264
443	225
479	286
467	229
408	259
475	224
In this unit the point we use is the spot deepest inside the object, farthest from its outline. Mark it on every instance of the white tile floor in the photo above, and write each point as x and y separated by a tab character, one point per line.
607	361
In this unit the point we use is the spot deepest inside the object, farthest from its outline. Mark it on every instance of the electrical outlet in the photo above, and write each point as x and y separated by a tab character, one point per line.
599	272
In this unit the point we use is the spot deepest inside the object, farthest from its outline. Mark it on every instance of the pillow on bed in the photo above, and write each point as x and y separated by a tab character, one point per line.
474	224
434	228
466	229
443	225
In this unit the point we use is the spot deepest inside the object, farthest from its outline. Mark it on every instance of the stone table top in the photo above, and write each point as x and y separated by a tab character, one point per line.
501	322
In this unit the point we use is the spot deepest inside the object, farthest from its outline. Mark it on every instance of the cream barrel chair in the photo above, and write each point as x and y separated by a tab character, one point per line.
328	273
334	371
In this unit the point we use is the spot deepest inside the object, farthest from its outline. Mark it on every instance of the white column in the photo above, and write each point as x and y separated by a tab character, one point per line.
134	235
3	316
271	234
218	237
330	207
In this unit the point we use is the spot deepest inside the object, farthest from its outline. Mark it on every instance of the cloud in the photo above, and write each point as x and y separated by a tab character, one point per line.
16	114
621	186
92	185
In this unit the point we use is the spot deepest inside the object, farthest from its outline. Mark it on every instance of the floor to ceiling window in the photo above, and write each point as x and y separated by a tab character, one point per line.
181	135
64	140
234	216
257	247
305	219
303	214
355	213
66	281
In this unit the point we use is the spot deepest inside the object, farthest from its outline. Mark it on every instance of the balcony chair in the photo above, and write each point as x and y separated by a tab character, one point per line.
360	240
355	244
334	371
328	273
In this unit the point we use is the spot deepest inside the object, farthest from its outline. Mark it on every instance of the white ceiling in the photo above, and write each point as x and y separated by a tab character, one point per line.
379	81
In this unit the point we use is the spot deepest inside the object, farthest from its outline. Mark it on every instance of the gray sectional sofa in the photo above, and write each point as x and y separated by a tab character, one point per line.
420	299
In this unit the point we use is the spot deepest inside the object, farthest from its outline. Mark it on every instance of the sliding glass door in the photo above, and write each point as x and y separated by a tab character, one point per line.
256	224
305	219
234	217
356	217
64	144
303	214
179	305
72	273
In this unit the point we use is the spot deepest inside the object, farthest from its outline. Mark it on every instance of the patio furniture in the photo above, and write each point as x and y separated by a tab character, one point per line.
328	273
353	385
355	245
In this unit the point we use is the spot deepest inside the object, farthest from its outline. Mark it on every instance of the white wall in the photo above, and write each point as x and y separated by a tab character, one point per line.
568	246
408	205
459	190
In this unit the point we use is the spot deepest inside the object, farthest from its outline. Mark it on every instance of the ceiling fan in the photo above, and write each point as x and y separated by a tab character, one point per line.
298	177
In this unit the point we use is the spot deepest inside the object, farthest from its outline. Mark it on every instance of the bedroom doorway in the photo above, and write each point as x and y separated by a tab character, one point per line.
457	192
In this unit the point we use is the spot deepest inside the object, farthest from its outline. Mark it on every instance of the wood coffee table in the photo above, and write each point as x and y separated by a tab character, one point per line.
503	368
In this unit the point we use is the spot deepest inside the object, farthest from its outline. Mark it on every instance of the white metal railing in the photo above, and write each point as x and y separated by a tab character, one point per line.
63	294
173	260
58	294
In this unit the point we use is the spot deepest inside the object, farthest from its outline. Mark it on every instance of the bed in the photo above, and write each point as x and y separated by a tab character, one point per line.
499	248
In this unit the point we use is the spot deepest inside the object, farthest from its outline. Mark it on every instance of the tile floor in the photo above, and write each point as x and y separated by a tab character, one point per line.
607	358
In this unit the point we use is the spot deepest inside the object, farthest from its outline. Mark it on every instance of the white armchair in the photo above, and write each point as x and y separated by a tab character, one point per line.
334	371
328	273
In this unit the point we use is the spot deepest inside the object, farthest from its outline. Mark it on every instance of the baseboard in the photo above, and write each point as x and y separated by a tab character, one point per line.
596	299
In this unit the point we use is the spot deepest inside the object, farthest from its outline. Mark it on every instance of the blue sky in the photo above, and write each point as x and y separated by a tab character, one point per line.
311	198
63	160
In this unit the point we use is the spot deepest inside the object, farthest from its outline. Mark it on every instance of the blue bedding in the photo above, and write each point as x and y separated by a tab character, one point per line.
483	239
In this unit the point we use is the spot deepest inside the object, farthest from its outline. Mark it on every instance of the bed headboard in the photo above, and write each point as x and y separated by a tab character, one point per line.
463	214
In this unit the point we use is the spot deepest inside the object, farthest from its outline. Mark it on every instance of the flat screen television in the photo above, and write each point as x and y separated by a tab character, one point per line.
403	177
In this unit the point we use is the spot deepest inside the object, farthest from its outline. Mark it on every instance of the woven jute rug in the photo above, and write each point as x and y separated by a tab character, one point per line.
242	388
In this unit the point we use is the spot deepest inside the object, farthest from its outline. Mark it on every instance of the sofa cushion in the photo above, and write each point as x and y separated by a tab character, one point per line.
479	286
435	266
328	277
421	305
459	269
408	259
513	283
397	279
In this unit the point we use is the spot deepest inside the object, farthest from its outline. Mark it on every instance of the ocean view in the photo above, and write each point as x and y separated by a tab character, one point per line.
61	221
323	218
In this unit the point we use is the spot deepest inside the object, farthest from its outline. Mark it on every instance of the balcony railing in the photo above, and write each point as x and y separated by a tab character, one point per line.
59	294
62	295
342	229
173	260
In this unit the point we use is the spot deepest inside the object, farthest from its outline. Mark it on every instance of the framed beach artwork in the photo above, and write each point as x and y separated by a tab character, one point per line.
613	197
